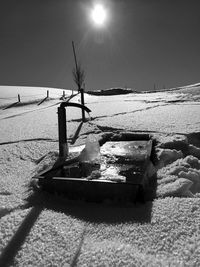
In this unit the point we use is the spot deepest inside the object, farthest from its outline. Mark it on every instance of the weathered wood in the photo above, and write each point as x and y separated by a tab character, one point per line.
62	132
83	103
91	190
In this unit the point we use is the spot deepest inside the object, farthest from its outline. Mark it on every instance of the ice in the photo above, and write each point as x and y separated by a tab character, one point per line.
91	151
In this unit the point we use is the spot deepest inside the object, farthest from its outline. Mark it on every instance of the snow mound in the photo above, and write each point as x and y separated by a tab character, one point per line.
172	141
166	156
180	178
178	165
178	188
195	151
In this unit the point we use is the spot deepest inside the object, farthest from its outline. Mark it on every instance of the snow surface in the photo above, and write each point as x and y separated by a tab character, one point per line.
9	94
38	229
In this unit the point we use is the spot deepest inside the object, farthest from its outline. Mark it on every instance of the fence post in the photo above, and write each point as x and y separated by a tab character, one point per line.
83	103
19	100
47	93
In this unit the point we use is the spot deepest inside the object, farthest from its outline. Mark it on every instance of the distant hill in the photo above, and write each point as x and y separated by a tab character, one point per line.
112	91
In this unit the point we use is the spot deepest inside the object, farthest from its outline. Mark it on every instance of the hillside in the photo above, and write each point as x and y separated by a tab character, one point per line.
40	229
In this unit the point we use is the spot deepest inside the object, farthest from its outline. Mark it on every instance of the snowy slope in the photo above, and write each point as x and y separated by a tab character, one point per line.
38	229
9	94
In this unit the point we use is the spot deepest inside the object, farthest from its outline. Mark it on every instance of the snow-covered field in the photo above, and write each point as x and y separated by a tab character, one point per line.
38	229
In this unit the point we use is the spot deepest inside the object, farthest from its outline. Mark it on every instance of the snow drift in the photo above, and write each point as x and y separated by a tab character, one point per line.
37	229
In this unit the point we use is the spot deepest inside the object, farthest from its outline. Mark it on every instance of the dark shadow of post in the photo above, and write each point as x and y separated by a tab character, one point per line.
74	138
10	251
78	251
11	105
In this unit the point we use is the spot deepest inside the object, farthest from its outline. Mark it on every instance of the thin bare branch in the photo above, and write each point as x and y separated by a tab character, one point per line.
78	76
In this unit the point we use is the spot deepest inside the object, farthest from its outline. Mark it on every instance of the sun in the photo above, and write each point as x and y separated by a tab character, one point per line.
98	15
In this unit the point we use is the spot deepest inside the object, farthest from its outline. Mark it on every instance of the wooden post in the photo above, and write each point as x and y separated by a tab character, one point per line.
63	94
83	103
19	100
62	133
47	93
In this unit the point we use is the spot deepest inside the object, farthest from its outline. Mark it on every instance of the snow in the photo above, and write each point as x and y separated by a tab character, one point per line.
9	94
38	229
183	175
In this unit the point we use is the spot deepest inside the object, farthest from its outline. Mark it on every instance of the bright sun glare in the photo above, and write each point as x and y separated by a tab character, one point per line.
98	15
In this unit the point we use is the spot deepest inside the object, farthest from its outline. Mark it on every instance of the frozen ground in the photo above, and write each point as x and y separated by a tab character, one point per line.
38	229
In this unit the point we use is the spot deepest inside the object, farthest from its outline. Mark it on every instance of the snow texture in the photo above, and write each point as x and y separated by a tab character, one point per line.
39	229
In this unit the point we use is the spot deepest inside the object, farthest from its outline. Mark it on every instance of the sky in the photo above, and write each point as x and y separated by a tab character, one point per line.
144	44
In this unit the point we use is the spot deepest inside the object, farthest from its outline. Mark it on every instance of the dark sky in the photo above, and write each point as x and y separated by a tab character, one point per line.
144	42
